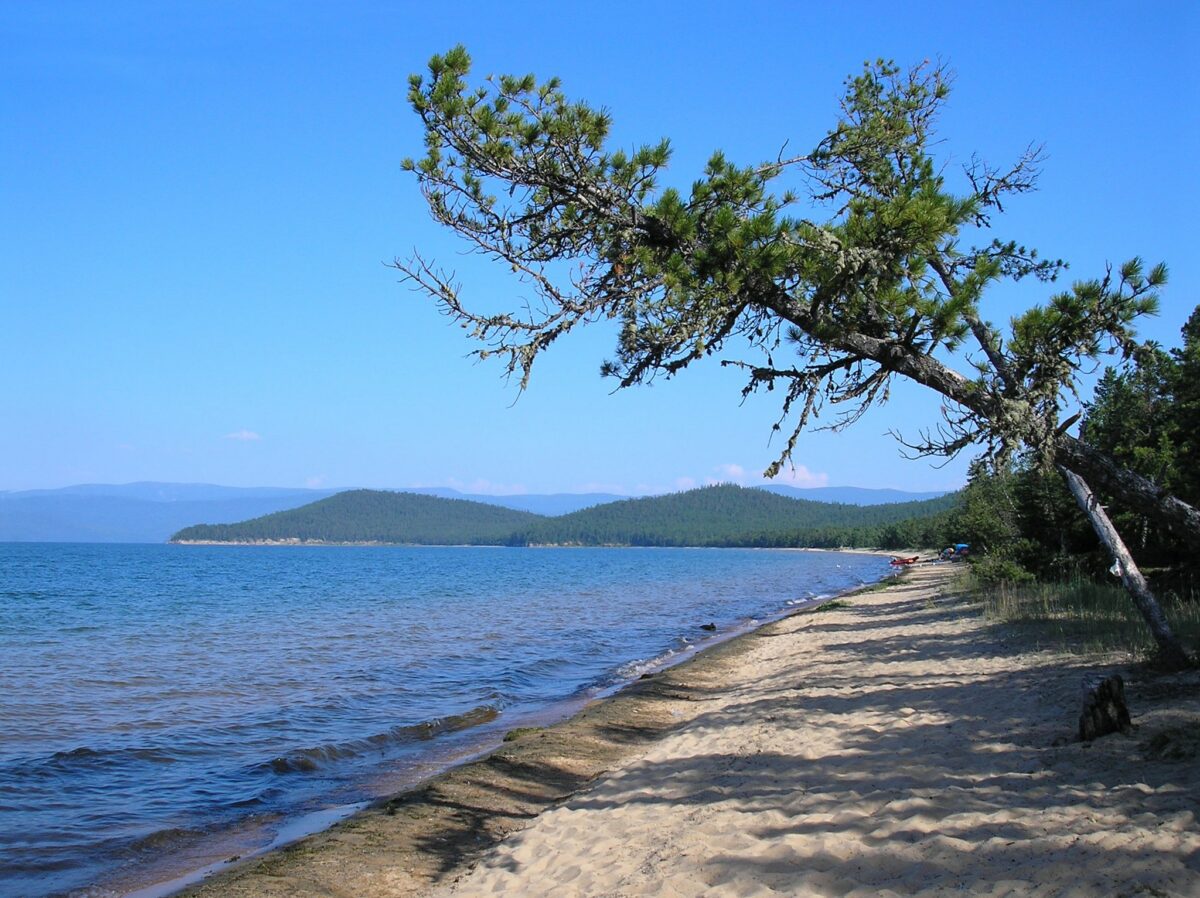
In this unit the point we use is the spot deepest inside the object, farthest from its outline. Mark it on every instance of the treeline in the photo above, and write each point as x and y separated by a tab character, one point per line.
1146	415
723	515
726	515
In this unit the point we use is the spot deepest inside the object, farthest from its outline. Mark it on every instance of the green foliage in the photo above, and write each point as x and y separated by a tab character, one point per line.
1141	416
881	282
1021	522
711	516
1132	417
1025	516
998	569
1185	409
988	517
1144	416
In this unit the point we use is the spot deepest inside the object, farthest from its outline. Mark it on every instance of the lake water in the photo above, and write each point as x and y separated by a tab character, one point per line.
161	704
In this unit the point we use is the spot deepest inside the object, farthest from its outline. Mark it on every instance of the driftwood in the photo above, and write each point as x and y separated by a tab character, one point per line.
1104	710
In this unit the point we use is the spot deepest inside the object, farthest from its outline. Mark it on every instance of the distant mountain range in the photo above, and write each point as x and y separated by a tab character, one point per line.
135	512
151	512
711	516
850	495
546	504
565	503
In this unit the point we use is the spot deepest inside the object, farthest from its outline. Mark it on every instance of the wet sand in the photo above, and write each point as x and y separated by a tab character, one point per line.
894	745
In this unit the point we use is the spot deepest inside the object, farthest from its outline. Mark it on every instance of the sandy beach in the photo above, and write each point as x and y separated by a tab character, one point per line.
897	744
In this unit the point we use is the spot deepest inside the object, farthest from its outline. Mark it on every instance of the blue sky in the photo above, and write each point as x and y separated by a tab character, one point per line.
197	202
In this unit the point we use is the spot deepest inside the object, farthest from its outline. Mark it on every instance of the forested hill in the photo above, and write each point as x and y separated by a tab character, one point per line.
726	515
711	516
374	516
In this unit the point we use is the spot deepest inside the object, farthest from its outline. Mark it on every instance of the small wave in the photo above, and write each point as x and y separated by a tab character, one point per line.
517	679
684	646
82	752
254	801
26	594
541	667
307	760
85	757
164	838
634	669
808	598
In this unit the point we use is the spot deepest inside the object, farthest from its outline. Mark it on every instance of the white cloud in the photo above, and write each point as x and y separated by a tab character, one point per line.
730	473
315	482
799	475
243	436
726	473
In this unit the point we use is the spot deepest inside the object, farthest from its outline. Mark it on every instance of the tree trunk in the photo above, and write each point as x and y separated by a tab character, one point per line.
1136	492
1170	650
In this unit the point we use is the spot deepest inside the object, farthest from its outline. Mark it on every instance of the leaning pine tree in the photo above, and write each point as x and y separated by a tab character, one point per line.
826	312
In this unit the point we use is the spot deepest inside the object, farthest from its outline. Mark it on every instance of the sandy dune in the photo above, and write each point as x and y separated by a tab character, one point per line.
894	747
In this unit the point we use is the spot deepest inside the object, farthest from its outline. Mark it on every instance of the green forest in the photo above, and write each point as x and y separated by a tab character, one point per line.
723	515
374	516
1146	415
727	515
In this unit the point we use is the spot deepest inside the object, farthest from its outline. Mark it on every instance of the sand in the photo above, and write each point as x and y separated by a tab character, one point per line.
898	745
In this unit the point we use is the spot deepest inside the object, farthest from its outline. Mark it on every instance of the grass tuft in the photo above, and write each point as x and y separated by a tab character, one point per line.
830	606
1086	618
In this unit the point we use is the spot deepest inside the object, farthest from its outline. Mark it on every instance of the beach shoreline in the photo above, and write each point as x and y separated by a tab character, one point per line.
194	860
847	751
296	542
244	849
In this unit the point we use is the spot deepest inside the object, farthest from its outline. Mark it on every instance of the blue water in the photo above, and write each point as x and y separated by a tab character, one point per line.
155	697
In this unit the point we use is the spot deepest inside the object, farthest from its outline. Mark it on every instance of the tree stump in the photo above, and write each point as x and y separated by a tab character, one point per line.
1104	710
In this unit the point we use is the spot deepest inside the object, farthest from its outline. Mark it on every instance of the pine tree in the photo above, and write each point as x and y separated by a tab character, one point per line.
826	311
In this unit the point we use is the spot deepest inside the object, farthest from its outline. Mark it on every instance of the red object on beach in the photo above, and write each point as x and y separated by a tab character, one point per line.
899	561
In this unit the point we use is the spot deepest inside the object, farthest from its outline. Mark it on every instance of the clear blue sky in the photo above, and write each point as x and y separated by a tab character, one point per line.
197	200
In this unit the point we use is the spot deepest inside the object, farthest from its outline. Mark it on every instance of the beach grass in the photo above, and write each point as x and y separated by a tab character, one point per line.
1085	618
832	605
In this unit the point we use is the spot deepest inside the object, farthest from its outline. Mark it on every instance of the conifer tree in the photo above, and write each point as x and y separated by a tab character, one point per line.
884	282
1185	409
